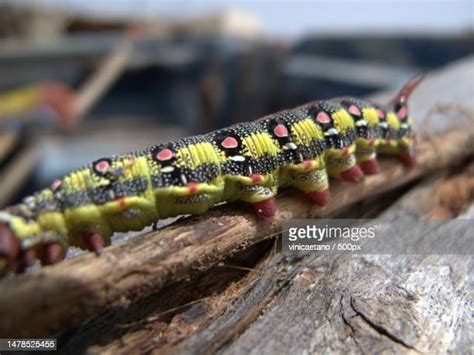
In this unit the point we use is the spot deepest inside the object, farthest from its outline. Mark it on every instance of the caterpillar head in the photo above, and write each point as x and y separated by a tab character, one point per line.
399	105
15	225
22	240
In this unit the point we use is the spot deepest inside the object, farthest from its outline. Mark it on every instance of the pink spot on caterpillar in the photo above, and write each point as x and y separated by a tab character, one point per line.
308	164
354	110
256	178
402	113
94	242
193	187
280	131
102	166
323	117
353	174
380	113
230	142
320	198
56	184
345	151
372	141
370	167
165	154
265	209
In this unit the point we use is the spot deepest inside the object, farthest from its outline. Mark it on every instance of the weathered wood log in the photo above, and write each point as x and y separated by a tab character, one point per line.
57	297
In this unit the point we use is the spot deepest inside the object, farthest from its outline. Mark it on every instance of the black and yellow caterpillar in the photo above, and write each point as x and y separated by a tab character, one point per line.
300	147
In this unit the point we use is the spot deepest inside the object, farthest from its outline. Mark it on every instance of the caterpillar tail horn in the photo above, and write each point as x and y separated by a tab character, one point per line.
407	148
405	92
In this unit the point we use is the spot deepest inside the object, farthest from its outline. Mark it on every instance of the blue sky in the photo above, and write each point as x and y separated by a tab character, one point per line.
292	18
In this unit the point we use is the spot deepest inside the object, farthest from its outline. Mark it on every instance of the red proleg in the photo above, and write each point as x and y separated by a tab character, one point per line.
52	253
370	167
319	197
265	209
407	159
9	246
94	242
353	174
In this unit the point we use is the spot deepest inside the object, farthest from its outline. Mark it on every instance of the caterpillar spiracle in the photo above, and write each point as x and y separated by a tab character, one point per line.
249	161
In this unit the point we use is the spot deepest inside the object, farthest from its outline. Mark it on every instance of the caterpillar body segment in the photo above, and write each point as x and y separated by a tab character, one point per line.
299	148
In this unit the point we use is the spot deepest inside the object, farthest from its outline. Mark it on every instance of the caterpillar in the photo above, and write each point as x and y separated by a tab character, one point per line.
299	148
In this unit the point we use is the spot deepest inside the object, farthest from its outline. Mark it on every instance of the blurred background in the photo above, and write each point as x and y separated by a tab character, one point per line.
83	79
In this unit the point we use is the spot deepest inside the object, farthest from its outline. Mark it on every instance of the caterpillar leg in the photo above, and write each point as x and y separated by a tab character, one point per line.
265	209
27	259
369	166
95	242
314	183
403	150
366	156
407	159
352	174
261	199
342	165
10	250
17	255
407	151
52	253
320	198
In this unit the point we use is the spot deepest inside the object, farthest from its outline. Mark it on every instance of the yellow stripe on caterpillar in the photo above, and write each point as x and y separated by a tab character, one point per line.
342	121
370	115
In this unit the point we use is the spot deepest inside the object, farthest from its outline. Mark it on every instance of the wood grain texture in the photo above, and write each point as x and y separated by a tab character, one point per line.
56	298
